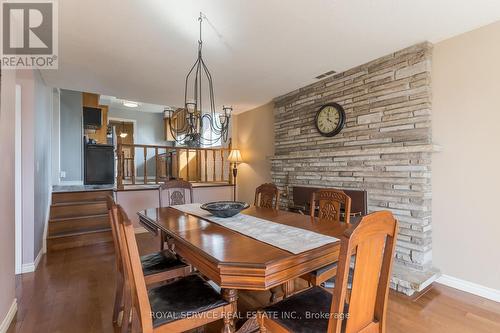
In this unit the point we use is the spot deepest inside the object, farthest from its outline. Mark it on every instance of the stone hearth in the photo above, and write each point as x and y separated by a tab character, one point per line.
386	148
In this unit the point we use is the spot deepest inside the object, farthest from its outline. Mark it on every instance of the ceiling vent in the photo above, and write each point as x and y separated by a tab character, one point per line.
322	76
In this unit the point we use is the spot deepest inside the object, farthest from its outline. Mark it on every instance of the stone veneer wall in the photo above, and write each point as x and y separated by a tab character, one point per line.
385	148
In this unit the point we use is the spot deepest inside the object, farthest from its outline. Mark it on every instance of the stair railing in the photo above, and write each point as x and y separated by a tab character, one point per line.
140	164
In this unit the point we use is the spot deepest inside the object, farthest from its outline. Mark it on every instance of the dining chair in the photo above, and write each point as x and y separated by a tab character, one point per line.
178	192
178	306
267	196
316	310
156	267
329	202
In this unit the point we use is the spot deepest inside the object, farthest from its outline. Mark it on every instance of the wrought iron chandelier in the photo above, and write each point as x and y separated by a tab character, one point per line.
191	125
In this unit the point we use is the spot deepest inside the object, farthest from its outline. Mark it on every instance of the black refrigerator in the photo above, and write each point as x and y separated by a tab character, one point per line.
99	165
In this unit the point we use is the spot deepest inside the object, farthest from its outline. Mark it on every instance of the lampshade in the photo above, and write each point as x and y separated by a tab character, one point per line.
235	156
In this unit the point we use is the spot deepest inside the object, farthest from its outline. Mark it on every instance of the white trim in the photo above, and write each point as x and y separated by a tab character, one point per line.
470	287
140	230
31	267
18	184
47	218
4	325
71	182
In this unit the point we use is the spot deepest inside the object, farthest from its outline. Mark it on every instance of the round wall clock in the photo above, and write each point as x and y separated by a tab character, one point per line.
330	119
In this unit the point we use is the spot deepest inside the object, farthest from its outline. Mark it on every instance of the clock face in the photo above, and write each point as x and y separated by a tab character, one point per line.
330	119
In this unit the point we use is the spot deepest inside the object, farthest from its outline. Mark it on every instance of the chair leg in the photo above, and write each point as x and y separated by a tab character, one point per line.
118	299
127	310
135	325
274	295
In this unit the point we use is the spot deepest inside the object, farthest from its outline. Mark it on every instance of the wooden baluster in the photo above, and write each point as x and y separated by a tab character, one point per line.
206	166
221	165
132	152
229	147
198	177
187	164
157	165
167	155
145	165
178	163
119	175
213	155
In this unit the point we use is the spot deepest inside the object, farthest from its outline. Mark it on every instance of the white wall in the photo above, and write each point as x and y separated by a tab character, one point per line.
36	160
466	174
71	135
7	192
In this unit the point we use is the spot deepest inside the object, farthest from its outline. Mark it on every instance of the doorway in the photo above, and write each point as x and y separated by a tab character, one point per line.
123	131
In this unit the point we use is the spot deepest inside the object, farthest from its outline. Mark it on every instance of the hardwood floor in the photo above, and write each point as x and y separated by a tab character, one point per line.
72	291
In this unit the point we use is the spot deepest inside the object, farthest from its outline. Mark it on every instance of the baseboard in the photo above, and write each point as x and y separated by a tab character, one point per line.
470	287
140	230
4	325
31	267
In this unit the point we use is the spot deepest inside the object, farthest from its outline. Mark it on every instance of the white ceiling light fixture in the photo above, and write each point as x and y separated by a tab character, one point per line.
130	104
123	134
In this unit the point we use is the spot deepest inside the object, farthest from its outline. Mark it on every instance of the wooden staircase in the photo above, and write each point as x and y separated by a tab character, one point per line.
78	219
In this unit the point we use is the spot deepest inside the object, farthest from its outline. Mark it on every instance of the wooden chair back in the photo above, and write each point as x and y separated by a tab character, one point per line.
134	276
330	202
114	231
267	196
176	193
373	241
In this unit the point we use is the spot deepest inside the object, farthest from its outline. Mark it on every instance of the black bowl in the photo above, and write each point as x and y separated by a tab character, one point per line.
225	208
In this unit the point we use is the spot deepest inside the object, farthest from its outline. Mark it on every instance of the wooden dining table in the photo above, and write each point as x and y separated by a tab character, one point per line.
238	262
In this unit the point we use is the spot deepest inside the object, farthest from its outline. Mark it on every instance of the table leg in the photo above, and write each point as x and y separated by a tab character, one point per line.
231	296
274	294
288	288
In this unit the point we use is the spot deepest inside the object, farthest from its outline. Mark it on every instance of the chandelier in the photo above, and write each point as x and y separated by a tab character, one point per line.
197	124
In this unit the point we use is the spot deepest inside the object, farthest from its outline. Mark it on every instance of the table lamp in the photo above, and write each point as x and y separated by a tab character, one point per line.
235	158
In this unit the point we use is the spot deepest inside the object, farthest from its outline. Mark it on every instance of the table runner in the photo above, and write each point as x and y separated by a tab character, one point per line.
291	239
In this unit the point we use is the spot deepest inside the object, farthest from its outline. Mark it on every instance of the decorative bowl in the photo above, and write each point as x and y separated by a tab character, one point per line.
225	208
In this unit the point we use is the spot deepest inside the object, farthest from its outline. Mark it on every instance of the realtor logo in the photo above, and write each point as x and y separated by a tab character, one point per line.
29	34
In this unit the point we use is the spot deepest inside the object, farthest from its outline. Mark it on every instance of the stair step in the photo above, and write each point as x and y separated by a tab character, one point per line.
78	203
69	241
78	233
60	197
76	224
78	209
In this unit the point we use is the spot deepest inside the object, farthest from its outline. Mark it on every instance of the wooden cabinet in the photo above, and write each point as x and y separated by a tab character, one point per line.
92	100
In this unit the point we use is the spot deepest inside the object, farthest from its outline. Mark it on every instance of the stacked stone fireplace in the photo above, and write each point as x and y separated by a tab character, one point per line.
385	148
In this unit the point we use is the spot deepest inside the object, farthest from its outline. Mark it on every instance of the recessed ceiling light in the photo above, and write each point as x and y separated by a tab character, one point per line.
130	104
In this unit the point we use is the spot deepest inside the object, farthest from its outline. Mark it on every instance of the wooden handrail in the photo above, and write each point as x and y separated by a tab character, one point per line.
202	167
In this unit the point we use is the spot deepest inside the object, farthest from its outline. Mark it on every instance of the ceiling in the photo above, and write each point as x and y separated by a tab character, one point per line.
118	103
255	49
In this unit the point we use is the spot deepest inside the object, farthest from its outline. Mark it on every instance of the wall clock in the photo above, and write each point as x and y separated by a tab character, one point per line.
330	119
